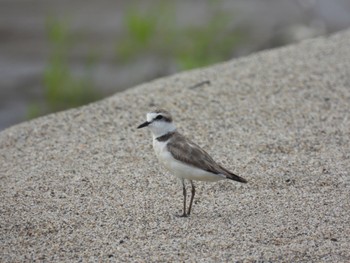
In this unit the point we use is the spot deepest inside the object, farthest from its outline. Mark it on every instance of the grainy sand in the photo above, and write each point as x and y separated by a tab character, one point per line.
85	185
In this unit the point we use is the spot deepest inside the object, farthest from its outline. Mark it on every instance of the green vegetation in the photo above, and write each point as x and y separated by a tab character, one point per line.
141	29
63	90
206	45
147	32
155	32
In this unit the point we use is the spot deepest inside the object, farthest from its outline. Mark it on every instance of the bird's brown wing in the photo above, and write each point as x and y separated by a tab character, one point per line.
186	151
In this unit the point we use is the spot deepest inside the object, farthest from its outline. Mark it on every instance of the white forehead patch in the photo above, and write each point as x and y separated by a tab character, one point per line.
151	116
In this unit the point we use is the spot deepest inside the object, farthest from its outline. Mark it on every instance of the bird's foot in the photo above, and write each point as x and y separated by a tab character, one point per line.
182	215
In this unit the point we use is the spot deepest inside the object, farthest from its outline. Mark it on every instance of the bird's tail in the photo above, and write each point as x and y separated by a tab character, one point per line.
235	177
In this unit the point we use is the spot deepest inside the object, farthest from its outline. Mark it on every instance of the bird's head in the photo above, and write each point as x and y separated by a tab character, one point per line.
159	121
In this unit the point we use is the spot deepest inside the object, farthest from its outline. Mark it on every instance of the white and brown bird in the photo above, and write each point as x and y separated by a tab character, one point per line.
182	157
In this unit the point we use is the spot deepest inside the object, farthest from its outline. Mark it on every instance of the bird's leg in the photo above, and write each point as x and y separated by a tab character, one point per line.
193	191
184	193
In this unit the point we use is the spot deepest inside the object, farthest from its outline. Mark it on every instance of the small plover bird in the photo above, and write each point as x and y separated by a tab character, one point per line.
182	157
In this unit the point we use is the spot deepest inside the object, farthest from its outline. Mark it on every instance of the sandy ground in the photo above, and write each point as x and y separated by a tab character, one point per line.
84	185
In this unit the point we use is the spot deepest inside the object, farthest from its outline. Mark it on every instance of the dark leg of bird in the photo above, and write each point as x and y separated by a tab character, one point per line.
192	196
184	193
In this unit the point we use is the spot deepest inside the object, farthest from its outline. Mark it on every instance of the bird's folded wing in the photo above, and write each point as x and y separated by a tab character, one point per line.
188	152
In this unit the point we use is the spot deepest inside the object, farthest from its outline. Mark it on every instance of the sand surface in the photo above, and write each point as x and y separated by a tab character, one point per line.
85	185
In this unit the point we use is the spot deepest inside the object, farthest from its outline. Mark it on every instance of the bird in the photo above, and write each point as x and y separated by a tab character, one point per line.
182	157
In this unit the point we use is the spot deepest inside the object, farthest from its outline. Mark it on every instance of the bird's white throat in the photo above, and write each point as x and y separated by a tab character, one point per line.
159	128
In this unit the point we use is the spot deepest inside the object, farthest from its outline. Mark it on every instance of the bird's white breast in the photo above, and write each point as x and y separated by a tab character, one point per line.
180	169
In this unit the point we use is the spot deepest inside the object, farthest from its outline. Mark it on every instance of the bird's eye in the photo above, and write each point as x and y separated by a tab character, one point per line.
159	117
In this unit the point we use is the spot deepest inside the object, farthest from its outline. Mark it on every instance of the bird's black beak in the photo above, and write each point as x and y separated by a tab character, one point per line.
145	124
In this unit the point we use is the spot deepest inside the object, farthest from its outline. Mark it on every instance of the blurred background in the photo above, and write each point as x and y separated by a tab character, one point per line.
58	54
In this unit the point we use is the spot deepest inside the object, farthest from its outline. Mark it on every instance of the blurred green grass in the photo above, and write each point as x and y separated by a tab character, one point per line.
63	89
152	31
155	32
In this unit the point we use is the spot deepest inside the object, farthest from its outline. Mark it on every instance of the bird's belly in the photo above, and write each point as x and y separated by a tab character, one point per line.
186	171
192	173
